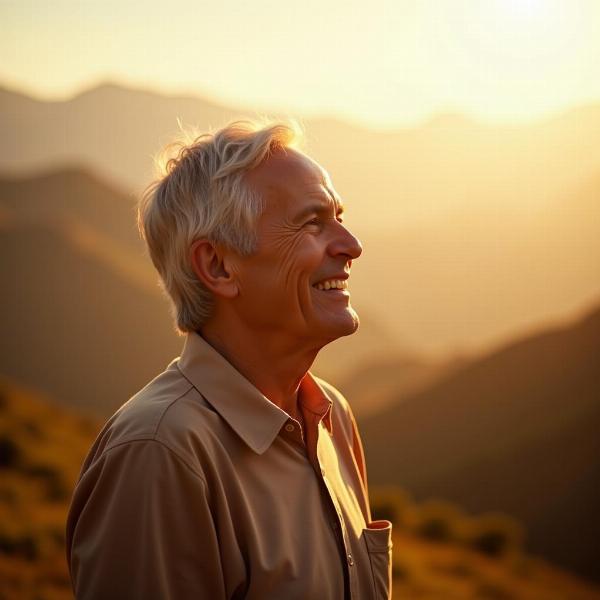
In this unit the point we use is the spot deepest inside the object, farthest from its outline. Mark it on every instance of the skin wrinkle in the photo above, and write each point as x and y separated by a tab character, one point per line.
287	236
288	241
285	240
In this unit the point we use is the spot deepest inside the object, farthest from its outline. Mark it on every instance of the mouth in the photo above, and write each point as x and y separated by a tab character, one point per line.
339	286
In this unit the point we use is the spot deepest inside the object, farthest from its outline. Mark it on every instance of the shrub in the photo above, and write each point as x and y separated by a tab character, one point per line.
53	480
19	543
491	590
391	503
495	534
10	452
3	396
401	570
439	521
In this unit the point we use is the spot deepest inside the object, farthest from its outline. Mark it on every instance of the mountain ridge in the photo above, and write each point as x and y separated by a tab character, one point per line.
514	430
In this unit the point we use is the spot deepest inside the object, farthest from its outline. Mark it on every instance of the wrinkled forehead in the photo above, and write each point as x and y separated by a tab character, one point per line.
288	177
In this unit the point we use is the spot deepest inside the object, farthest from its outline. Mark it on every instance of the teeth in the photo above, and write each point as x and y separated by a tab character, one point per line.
332	284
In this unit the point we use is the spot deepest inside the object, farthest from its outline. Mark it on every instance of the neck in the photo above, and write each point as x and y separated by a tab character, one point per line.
275	366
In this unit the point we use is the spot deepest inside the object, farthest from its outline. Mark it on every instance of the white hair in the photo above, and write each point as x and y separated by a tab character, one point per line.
202	195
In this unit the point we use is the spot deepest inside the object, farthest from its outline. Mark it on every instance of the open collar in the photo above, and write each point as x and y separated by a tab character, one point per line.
255	419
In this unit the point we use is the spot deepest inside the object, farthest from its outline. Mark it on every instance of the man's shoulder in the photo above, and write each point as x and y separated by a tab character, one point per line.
168	410
143	414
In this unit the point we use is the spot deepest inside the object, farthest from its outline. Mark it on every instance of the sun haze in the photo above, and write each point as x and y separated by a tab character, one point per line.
381	63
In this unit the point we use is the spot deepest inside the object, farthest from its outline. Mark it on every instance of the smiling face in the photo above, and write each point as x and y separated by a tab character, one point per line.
295	284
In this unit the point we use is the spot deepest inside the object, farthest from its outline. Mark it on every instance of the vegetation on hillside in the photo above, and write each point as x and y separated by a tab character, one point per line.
439	552
41	450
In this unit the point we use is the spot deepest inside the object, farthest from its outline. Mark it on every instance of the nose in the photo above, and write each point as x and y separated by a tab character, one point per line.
345	243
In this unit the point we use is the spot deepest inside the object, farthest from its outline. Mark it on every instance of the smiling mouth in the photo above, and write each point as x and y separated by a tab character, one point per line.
332	285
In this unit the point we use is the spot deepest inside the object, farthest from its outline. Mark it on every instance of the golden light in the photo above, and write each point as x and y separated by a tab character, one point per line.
525	8
532	33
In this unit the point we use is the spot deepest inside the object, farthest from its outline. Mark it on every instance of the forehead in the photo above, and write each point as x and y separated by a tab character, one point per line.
289	179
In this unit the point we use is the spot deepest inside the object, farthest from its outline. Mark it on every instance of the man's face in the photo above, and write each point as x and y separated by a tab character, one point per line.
294	285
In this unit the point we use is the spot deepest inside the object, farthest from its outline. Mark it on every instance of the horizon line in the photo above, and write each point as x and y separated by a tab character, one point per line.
451	113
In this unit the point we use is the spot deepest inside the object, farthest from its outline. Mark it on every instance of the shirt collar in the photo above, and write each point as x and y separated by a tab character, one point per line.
248	412
313	398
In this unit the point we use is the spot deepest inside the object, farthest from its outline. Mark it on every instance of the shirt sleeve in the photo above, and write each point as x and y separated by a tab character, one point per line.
140	527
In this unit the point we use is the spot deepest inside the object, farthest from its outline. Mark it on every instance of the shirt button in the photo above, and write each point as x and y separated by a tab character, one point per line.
289	427
350	560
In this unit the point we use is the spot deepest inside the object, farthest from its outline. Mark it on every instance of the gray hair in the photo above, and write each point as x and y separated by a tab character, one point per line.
202	195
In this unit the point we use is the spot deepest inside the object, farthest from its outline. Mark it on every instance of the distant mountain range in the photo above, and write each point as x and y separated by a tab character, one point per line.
408	175
517	431
471	232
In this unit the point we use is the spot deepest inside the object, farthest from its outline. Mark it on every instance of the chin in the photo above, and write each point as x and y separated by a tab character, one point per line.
354	323
342	327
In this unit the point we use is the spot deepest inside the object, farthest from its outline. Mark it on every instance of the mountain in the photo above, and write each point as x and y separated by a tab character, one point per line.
74	327
462	284
453	286
110	128
516	431
471	231
77	194
408	175
378	382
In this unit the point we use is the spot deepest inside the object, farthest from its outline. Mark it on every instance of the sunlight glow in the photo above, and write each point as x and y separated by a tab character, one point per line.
388	63
525	8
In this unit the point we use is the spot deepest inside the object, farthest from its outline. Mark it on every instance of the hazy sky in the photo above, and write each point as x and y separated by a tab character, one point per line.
383	63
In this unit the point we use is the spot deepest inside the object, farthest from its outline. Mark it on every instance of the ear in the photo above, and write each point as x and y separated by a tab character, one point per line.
212	269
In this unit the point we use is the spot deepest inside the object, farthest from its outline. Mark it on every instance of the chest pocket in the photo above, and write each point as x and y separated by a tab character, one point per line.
378	538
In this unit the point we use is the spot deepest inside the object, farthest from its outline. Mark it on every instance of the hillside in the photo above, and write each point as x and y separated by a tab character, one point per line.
74	194
41	450
74	327
515	431
42	447
378	382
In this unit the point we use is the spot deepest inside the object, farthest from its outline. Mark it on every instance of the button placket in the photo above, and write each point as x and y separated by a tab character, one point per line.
295	430
339	526
342	535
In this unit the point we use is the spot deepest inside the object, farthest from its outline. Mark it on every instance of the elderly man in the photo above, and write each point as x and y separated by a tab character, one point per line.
236	473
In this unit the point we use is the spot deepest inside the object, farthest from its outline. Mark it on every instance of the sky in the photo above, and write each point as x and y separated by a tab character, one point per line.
381	63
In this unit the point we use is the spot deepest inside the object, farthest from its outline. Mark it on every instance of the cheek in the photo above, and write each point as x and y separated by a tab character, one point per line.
297	261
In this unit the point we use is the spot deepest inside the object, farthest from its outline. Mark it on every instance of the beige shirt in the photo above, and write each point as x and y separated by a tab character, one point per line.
199	487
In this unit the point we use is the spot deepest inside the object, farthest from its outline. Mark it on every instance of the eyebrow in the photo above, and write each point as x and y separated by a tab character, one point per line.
319	208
